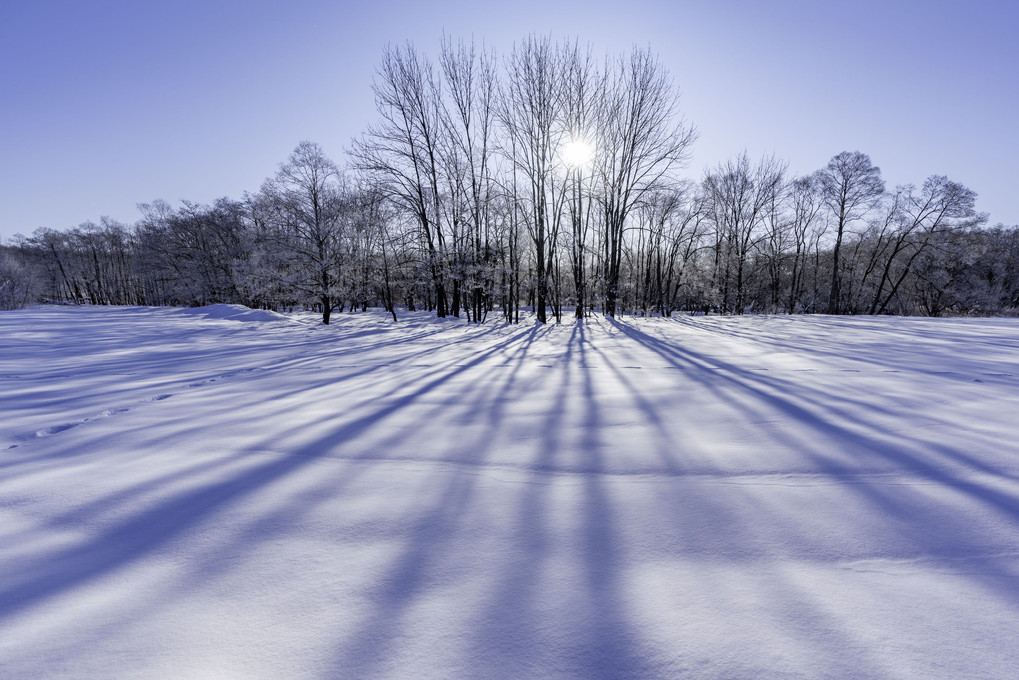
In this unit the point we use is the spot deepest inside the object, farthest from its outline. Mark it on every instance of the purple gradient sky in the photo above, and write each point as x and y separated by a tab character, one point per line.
105	104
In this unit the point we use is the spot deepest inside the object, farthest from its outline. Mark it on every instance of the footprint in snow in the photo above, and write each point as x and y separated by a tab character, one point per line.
49	431
57	429
159	397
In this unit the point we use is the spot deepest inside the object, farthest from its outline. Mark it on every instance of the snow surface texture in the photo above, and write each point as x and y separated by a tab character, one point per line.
186	495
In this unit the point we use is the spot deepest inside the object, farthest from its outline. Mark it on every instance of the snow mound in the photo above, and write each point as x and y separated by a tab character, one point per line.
237	313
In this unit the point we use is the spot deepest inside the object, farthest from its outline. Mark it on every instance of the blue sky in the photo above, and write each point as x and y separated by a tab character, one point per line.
106	104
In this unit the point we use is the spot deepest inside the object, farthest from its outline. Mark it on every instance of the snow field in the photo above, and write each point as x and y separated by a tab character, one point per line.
227	493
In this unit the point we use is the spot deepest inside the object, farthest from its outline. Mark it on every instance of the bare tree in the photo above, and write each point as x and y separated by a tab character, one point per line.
308	204
669	232
468	151
939	205
401	153
738	196
642	140
531	114
545	178
805	227
778	235
16	281
850	186
584	87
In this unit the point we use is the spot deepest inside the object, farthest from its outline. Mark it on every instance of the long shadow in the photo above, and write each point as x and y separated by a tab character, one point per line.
475	456
885	341
610	650
174	383
952	533
579	629
597	638
124	542
429	559
507	634
645	408
397	398
715	373
889	355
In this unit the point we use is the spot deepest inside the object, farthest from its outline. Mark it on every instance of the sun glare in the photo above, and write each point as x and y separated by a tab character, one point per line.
577	153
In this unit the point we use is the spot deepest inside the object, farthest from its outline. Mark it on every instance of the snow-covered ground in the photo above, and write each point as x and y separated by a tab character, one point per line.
222	493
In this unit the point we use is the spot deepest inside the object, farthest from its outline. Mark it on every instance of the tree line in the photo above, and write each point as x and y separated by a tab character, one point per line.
551	179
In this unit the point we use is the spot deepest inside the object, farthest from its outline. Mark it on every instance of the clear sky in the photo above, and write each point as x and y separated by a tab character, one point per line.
105	104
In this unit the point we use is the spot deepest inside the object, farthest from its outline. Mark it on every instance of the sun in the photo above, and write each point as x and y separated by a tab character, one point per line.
577	153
